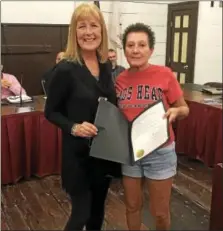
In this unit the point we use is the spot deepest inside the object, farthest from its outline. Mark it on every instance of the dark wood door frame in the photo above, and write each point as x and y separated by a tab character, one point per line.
194	5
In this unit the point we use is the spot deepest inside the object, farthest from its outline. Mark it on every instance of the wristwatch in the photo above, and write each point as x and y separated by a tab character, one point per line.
74	129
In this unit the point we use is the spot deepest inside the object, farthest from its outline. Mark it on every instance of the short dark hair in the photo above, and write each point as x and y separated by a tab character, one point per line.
111	50
139	27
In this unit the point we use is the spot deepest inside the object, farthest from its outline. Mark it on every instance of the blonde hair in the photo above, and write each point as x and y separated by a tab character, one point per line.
72	52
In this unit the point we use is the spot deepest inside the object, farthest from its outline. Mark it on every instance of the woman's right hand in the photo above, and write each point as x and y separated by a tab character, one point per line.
85	130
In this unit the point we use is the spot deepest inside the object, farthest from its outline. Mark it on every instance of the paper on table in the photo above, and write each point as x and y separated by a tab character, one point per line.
17	98
149	131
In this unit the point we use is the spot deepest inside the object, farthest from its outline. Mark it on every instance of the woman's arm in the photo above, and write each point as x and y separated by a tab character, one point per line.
178	110
183	109
15	86
178	107
59	91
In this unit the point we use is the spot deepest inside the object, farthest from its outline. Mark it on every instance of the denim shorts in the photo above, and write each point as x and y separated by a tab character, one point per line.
159	165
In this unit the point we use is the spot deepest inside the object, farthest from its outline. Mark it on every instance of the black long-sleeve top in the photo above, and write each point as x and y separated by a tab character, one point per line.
73	98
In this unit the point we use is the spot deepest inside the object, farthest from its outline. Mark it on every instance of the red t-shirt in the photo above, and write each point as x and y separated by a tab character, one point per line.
139	89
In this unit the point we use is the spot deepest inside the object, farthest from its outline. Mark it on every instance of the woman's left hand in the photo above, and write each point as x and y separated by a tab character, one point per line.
172	114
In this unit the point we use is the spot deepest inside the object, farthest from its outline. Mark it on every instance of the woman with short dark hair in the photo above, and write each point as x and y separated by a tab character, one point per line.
146	83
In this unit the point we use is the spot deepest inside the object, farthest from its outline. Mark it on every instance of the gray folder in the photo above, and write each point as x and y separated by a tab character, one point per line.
113	141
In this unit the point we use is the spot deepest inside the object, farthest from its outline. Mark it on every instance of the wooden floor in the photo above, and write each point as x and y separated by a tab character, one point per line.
40	204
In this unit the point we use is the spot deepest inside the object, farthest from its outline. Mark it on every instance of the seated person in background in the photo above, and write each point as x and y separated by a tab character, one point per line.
47	76
10	86
59	56
116	69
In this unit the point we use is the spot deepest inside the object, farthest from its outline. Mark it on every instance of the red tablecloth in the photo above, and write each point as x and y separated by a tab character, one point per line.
30	145
200	134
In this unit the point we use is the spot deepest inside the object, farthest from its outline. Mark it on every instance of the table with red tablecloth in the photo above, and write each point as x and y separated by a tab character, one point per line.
200	134
30	145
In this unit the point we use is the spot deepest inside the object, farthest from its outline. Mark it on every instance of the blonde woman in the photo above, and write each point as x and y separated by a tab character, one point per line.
78	81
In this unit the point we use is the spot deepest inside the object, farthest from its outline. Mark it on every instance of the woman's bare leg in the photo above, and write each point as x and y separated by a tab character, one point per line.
133	201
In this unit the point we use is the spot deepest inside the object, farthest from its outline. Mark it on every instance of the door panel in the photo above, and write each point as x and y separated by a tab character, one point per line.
181	39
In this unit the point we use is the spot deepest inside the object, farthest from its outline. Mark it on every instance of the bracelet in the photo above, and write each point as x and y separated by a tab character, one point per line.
74	129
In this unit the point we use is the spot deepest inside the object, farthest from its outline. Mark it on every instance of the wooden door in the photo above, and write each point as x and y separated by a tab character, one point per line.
181	40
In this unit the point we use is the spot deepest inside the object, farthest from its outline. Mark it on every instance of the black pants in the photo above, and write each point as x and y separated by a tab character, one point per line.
88	208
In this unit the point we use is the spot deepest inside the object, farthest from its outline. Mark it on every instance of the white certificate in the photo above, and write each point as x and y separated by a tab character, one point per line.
149	131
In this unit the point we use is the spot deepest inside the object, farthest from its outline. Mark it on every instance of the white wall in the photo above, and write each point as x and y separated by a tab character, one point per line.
208	61
40	12
151	13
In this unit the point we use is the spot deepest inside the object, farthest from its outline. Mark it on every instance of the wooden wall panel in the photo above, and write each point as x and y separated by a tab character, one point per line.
30	50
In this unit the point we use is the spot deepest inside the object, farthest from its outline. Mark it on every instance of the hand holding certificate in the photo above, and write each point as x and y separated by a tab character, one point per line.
149	131
127	142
